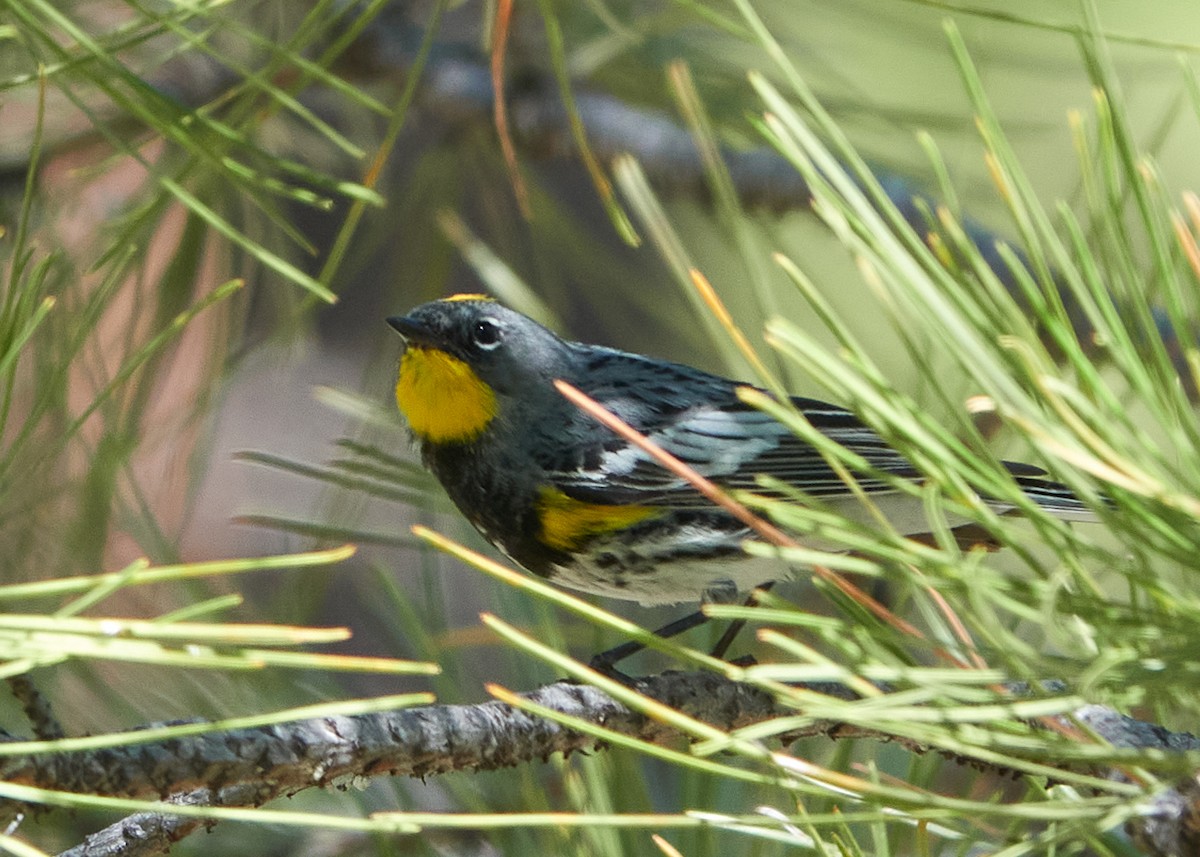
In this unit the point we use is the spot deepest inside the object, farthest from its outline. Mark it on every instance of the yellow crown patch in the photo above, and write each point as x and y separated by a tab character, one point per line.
468	296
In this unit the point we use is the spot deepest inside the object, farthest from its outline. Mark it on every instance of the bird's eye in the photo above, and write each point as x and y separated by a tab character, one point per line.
487	334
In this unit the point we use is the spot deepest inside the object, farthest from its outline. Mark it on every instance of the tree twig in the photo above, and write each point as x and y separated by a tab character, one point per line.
251	766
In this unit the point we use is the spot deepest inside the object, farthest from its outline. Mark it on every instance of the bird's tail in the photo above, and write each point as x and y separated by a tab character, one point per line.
1054	497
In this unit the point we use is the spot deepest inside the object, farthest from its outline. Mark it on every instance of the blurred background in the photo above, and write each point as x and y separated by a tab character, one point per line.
342	159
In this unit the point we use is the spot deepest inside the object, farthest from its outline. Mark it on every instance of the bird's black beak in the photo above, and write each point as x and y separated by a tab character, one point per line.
413	331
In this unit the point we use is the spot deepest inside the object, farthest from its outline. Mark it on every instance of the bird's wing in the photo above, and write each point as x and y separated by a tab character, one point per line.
730	443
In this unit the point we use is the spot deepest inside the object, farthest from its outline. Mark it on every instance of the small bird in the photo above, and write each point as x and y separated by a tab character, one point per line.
572	502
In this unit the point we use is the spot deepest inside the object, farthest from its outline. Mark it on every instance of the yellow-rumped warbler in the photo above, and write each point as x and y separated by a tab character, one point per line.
572	502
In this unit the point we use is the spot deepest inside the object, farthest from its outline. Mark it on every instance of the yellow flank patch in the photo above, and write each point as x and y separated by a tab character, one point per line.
468	296
442	398
567	523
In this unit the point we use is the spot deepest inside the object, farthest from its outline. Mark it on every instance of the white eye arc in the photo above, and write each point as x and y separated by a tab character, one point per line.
487	334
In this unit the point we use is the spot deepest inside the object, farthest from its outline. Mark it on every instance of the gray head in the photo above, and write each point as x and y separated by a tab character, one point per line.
505	349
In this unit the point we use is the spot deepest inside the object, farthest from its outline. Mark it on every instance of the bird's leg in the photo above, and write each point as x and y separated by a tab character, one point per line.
736	626
607	660
723	592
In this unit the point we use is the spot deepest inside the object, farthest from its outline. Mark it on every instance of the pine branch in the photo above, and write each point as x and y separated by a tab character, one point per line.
252	766
146	834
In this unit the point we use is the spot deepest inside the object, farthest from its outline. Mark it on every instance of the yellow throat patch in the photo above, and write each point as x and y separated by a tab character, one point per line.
442	398
567	523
